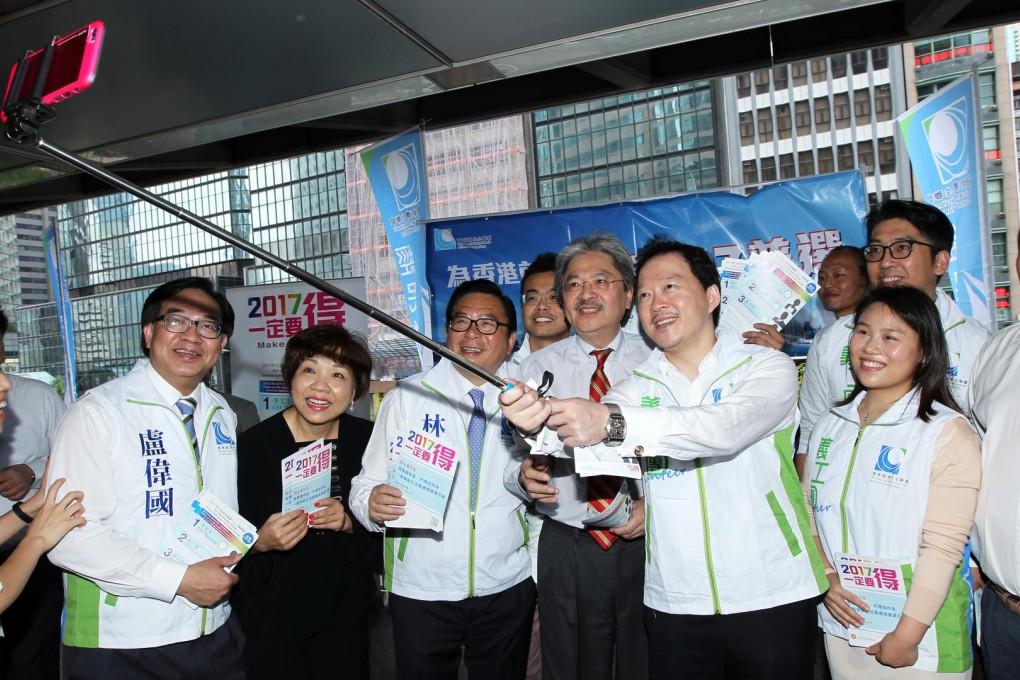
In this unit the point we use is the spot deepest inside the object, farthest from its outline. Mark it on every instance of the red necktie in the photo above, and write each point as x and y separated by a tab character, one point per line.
603	488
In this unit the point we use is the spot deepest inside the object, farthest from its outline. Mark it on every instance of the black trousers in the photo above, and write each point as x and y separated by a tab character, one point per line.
217	656
769	644
30	646
591	603
494	632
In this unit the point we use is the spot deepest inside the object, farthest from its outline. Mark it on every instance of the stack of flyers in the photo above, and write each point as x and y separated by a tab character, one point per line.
880	584
306	476
617	514
765	288
604	460
207	528
423	469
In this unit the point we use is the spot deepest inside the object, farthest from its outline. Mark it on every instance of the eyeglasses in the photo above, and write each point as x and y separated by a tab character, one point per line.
598	285
178	323
535	298
898	250
461	324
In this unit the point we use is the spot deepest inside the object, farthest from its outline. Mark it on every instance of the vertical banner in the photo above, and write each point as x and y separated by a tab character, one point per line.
803	218
58	282
396	171
942	139
266	317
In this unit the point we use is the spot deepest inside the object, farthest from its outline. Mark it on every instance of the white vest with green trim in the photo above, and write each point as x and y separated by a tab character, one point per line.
869	488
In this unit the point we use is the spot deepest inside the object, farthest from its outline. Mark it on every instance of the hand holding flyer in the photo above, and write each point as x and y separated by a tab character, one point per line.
880	584
207	528
766	288
423	469
306	477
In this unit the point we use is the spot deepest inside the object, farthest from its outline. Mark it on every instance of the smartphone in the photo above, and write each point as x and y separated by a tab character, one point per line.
72	68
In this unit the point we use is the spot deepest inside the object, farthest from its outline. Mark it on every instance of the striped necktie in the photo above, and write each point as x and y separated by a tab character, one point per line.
187	406
603	488
476	438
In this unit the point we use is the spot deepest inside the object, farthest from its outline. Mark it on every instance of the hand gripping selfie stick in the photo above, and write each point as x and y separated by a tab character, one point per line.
24	119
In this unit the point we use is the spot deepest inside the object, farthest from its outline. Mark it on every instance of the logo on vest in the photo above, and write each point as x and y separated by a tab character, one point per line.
225	444
650	402
888	465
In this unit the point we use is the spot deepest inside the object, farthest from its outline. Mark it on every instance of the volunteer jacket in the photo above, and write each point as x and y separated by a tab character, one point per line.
727	527
869	489
827	375
965	337
129	452
482	548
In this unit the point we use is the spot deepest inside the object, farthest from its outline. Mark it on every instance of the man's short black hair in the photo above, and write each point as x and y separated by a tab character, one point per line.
932	223
153	303
485	287
697	259
546	262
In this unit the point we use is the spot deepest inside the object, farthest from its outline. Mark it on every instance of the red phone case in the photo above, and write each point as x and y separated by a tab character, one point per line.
72	70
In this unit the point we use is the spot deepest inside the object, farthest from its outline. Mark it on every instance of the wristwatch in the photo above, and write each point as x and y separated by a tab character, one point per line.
616	427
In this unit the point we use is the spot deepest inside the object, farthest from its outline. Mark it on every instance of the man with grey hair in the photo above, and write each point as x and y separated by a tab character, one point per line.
590	582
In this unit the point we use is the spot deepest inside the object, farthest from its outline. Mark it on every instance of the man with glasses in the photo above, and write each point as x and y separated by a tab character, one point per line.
141	448
909	245
590	581
544	321
465	591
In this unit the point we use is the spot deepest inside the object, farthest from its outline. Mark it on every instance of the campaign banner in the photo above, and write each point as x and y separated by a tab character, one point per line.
396	172
58	283
266	317
803	218
943	142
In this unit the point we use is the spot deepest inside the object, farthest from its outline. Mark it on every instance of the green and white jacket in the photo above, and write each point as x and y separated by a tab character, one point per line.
727	525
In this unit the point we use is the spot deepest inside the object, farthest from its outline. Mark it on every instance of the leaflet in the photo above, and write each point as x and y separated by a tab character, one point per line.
765	288
423	469
307	476
880	584
207	528
604	460
616	514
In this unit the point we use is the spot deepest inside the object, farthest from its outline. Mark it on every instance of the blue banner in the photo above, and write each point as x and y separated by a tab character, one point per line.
945	149
58	282
803	218
396	171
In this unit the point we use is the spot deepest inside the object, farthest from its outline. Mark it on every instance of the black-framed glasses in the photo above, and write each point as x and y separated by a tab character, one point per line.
898	250
178	323
535	298
599	285
485	326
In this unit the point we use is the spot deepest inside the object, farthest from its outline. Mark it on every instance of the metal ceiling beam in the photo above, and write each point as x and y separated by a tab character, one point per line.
930	16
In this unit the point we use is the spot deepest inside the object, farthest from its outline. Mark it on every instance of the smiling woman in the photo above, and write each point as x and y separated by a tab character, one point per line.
295	629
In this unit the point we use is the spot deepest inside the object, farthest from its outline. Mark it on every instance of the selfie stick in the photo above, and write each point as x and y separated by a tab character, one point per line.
21	128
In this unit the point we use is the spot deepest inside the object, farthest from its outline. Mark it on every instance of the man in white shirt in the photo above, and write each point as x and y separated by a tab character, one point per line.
589	585
141	448
732	575
30	646
464	593
994	390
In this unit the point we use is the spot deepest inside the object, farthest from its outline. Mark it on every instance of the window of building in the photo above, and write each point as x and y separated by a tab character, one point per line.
880	58
805	163
838	66
799	72
768	169
779	77
990	141
1000	253
750	172
825	163
866	157
886	155
787	167
986	89
859	61
862	107
841	110
883	103
822	114
761	80
764	125
994	196
743	85
784	123
845	158
818	69
803	115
